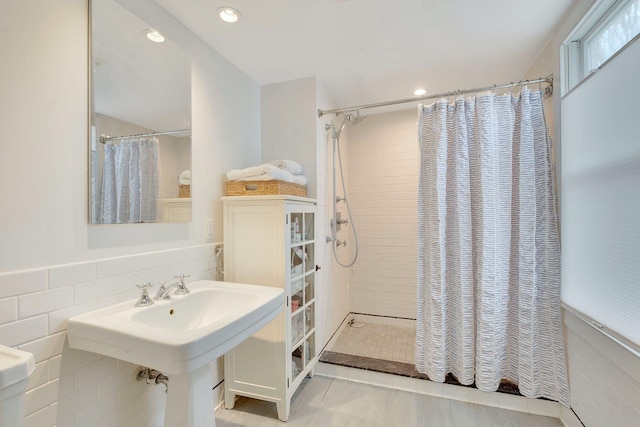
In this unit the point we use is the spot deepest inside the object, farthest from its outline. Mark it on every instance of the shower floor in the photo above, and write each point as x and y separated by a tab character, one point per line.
375	347
384	348
384	342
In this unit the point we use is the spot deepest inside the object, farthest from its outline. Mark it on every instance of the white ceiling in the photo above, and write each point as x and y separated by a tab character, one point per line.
368	51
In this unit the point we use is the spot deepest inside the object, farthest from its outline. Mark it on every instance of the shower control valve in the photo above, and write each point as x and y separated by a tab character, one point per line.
339	221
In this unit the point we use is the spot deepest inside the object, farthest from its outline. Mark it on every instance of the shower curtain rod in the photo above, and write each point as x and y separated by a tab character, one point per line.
548	91
106	138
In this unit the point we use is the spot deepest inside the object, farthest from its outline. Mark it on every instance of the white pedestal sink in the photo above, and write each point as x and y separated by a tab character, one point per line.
180	337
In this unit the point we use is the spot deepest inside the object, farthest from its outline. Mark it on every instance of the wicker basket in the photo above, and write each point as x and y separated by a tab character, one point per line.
184	191
263	188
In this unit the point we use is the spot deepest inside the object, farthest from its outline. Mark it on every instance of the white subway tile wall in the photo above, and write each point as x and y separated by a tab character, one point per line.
332	280
8	310
76	388
383	191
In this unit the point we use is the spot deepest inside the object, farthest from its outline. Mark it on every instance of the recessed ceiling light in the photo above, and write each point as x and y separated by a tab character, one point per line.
229	14
419	92
154	36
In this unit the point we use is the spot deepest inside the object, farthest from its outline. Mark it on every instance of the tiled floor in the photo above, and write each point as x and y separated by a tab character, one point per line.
383	342
326	402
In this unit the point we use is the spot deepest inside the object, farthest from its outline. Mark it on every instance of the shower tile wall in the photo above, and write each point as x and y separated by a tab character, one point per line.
332	291
383	183
77	388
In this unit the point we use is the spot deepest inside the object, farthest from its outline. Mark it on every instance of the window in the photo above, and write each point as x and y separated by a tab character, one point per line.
608	27
600	172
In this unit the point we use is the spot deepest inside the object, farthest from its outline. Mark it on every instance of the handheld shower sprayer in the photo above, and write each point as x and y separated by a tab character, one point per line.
337	221
354	118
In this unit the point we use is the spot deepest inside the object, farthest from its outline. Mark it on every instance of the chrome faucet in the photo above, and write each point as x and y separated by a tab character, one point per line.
180	288
144	299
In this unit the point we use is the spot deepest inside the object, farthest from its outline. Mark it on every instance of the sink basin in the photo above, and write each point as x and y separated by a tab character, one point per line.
181	334
187	314
180	337
15	368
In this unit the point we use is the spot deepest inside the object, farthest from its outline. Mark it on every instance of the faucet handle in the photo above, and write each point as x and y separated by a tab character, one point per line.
182	287
144	299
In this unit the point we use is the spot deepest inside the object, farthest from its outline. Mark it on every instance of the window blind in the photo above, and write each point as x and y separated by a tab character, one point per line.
600	210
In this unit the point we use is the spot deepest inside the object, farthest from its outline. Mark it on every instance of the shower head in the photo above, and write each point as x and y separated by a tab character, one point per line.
354	118
357	118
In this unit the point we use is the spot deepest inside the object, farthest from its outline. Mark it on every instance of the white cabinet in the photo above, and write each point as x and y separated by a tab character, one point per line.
174	210
270	241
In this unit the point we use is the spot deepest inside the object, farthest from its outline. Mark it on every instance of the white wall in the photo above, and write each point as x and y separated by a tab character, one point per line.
288	128
43	114
291	130
383	187
52	264
604	377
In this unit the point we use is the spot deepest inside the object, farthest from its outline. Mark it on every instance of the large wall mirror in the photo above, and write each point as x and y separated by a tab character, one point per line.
140	142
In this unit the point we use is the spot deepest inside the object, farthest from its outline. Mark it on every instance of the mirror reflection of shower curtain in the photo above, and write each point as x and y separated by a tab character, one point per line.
489	252
129	190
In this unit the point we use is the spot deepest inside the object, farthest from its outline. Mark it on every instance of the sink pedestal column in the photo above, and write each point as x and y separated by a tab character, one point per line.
190	400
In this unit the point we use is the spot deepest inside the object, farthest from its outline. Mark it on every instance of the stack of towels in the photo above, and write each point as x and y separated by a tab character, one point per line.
283	170
185	177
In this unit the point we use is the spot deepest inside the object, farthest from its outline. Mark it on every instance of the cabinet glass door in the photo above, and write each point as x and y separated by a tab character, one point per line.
309	259
302	279
309	349
297	327
309	226
297	361
297	294
297	261
309	286
309	318
297	227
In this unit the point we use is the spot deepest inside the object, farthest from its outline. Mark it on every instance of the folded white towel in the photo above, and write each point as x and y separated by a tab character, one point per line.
299	179
293	167
185	177
265	172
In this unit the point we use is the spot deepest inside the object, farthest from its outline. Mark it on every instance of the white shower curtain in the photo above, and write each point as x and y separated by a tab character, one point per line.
488	247
129	181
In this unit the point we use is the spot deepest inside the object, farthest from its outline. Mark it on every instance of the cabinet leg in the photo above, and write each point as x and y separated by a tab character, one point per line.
283	410
229	399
